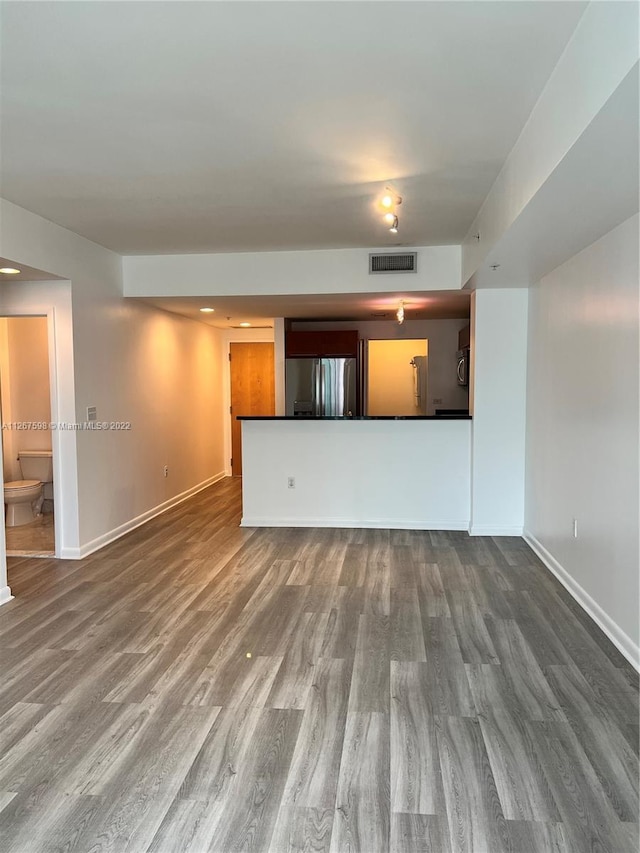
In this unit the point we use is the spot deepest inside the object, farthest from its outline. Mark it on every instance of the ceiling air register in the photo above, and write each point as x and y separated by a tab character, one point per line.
396	262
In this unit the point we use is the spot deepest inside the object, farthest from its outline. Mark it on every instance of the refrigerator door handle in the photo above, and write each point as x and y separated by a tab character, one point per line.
314	383
322	403
317	387
362	383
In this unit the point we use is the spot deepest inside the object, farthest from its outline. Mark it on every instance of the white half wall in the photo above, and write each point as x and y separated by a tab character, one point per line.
498	400
582	430
406	474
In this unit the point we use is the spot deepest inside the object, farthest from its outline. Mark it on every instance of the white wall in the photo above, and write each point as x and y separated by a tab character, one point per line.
582	428
499	368
133	362
354	473
254	273
163	374
443	345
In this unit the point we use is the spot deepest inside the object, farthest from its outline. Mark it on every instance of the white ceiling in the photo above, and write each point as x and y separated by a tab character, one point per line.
241	126
230	311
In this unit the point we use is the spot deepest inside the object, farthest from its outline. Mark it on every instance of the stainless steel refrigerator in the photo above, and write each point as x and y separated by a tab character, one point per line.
321	387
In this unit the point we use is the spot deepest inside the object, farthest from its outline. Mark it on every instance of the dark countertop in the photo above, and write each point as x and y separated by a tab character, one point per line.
357	418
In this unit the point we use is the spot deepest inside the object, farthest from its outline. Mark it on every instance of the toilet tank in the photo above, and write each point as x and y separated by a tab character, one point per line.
36	465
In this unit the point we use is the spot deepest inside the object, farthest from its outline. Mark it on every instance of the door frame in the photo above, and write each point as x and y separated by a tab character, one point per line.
60	496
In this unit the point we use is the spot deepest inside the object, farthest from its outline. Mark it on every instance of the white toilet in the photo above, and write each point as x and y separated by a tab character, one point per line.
24	498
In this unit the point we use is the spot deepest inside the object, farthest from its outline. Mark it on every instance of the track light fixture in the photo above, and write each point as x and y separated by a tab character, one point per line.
389	202
390	199
400	314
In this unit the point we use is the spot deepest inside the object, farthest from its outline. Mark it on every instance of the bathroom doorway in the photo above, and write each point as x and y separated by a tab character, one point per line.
25	407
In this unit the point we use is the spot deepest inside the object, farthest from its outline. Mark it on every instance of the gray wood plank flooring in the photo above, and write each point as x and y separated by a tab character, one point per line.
196	687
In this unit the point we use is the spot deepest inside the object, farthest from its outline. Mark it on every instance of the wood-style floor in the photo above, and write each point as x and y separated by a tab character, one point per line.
200	687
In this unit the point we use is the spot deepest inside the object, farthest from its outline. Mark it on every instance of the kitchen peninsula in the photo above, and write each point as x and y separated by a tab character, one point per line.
388	472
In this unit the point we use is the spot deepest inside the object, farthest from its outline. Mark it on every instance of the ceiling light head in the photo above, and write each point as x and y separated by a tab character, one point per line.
9	271
390	218
207	310
390	199
400	314
244	325
394	225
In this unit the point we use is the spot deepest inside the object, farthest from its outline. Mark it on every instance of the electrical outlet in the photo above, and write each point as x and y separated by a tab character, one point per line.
437	401
575	528
165	470
291	482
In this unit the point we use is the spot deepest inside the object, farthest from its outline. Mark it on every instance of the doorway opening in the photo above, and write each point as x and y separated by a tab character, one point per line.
25	408
252	386
397	376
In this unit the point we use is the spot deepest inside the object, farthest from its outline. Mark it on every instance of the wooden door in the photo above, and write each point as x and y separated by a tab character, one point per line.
252	391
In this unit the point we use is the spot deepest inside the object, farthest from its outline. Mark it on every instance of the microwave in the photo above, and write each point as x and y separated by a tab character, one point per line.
463	366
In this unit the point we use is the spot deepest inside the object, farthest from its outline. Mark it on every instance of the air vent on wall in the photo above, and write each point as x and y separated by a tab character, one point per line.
393	263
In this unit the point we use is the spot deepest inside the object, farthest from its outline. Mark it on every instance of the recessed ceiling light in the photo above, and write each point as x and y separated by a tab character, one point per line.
207	310
245	325
9	271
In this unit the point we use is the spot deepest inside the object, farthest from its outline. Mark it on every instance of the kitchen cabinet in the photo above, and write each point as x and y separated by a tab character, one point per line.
321	344
464	338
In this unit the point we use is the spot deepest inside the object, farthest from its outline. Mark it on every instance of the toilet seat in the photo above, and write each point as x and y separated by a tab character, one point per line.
17	487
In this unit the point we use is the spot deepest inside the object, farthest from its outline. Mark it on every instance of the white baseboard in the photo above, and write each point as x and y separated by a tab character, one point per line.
384	523
492	530
128	526
5	595
614	632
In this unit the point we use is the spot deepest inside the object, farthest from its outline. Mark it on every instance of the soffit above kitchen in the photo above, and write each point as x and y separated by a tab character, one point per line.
231	127
259	311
